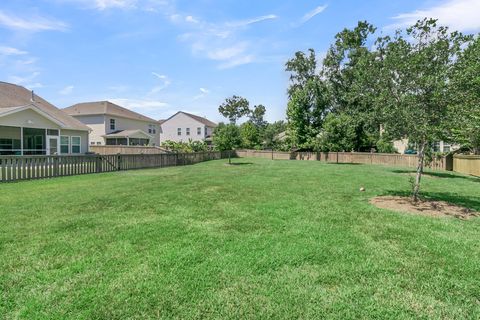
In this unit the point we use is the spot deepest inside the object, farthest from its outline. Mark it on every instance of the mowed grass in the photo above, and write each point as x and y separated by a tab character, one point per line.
270	239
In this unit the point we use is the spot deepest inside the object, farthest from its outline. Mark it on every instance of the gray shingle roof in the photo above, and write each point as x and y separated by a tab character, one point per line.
106	108
13	96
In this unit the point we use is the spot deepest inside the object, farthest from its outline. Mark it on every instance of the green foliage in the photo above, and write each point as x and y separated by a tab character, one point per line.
465	97
185	147
226	137
234	108
257	116
385	146
271	138
308	102
250	135
338	133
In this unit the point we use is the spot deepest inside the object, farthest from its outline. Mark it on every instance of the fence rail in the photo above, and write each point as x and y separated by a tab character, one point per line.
110	150
401	160
467	164
14	168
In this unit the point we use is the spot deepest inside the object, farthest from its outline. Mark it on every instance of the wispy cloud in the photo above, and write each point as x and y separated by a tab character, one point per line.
243	23
28	81
9	51
107	4
309	15
462	15
165	82
140	104
32	24
67	90
203	93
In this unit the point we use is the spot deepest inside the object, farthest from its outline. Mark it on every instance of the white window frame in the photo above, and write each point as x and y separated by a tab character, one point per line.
199	131
114	124
187	131
69	144
79	145
179	131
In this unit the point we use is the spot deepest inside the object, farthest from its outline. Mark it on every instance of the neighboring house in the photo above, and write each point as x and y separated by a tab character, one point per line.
29	125
112	124
439	146
183	126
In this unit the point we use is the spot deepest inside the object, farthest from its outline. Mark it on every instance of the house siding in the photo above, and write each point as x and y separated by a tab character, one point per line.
28	119
183	121
83	138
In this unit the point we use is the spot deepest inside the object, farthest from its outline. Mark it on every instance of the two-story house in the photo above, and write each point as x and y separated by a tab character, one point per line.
183	126
112	124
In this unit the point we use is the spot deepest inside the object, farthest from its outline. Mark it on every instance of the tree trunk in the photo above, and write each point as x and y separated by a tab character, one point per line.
229	157
420	164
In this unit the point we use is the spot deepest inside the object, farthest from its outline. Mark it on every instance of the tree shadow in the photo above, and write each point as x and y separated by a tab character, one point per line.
239	163
470	202
441	175
346	163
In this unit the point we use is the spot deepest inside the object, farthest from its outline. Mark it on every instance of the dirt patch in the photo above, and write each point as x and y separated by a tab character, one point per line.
430	208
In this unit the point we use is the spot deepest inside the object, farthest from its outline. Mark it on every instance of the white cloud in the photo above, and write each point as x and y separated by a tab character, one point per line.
229	52
203	93
165	82
28	81
67	90
462	15
107	4
140	104
191	19
32	24
313	13
247	22
237	61
9	51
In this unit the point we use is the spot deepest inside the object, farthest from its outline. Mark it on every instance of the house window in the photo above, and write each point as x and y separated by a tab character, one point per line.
9	146
188	131
98	143
112	124
64	145
436	146
152	129
446	147
138	142
52	132
179	131
76	144
199	131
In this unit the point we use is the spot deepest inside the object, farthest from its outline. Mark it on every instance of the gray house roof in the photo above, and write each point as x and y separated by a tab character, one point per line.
105	108
15	98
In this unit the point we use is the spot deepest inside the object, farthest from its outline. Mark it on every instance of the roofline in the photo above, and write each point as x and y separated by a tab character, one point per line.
185	113
105	113
135	131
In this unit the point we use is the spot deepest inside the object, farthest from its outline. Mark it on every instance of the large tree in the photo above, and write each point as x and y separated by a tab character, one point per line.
234	108
347	70
412	88
257	116
307	104
465	97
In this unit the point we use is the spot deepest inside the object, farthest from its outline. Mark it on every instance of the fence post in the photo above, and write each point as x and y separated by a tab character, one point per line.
119	162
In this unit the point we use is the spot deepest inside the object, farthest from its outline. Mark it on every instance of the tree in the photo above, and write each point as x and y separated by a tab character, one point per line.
347	70
257	116
234	108
465	97
338	133
250	135
226	137
308	102
412	86
270	134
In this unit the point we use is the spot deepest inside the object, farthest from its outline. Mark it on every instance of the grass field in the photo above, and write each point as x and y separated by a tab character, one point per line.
269	239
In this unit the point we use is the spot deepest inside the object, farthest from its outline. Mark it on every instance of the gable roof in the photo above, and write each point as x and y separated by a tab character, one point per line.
127	133
106	108
202	120
15	98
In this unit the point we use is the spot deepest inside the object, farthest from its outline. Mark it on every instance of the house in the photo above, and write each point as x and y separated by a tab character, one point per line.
29	125
439	146
183	126
112	124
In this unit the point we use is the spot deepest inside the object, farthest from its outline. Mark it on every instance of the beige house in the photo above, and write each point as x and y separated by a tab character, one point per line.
29	125
440	146
183	126
112	124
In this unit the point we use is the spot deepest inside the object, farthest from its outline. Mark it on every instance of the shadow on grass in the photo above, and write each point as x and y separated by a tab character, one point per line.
468	202
441	175
238	163
346	163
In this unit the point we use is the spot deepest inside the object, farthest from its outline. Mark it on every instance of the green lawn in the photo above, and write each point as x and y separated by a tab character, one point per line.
270	239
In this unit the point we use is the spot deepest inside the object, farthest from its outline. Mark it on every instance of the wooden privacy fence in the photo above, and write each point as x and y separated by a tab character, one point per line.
13	168
107	150
401	160
467	164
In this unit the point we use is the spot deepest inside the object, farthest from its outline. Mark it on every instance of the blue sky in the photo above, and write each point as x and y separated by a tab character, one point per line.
160	56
